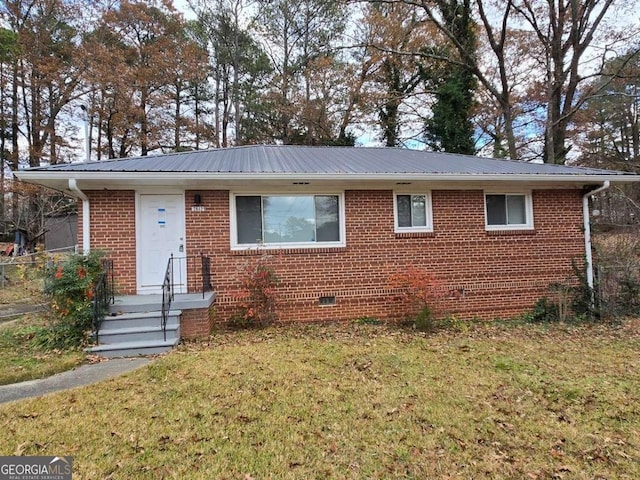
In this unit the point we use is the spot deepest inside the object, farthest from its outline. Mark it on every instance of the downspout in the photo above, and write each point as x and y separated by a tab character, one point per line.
86	228
587	230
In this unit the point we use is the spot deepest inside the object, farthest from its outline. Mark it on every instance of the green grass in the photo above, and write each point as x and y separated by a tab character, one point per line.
21	358
355	401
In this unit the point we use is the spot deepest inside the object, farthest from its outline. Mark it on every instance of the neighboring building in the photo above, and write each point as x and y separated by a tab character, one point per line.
61	232
342	221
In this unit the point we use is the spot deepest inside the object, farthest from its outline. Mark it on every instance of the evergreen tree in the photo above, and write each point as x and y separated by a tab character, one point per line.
450	128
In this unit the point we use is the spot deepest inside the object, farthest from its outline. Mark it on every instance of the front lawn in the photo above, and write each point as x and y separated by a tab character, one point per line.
22	358
22	283
355	401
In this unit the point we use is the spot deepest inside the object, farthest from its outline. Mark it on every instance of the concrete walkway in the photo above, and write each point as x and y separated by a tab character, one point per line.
8	312
78	377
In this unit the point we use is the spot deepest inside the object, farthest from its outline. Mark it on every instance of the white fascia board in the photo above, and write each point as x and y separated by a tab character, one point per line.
199	180
41	175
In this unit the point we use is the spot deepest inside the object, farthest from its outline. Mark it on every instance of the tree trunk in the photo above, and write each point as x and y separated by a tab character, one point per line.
236	74
176	131
15	130
2	143
123	144
53	154
635	125
216	111
144	129
389	111
225	110
109	133
196	106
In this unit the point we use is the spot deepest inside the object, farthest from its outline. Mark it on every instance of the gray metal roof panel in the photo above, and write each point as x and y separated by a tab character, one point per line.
288	159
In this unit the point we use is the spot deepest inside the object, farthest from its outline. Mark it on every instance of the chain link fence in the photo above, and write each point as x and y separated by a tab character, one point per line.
617	287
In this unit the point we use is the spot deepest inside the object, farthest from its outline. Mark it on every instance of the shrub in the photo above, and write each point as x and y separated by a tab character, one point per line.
574	300
257	296
544	311
584	302
453	323
366	320
419	296
69	287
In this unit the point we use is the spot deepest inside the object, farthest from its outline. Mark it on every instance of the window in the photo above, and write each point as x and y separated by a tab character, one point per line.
413	212
277	220
510	211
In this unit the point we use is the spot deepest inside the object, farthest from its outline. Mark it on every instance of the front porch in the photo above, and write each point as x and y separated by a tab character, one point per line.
144	303
134	324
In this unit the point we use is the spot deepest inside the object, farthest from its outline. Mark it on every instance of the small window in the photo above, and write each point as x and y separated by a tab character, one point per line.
510	211
284	220
413	212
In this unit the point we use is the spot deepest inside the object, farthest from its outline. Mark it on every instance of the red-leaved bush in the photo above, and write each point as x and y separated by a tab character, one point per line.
419	295
257	306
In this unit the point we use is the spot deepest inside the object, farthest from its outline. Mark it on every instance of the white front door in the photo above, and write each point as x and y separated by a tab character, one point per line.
160	233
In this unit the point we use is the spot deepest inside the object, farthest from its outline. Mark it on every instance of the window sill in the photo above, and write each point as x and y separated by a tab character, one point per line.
414	234
287	250
508	231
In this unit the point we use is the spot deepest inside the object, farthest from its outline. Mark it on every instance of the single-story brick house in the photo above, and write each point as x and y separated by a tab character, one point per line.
494	232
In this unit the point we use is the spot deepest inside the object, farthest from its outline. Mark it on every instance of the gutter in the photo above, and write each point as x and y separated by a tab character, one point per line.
587	230
86	225
35	176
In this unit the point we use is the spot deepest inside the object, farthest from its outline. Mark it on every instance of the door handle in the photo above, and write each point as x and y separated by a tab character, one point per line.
181	248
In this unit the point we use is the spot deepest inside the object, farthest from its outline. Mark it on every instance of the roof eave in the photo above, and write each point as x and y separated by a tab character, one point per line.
38	176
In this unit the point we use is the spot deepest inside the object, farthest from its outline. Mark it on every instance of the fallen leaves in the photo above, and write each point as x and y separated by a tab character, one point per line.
314	400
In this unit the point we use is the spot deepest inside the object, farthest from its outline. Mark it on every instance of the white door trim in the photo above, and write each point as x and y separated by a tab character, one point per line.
139	238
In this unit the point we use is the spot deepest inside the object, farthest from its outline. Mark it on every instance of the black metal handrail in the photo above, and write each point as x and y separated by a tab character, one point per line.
103	295
205	263
169	283
167	296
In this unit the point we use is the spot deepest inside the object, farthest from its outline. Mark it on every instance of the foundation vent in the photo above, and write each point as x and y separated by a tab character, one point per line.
327	300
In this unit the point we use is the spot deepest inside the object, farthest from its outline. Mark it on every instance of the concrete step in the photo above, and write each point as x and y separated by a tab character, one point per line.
142	307
150	303
108	336
137	333
134	349
139	320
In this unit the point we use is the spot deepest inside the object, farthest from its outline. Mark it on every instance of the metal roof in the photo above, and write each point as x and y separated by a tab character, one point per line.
285	160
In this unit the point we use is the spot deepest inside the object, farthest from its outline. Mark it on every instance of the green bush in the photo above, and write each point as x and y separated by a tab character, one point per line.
455	324
366	320
573	301
585	304
69	287
423	320
544	311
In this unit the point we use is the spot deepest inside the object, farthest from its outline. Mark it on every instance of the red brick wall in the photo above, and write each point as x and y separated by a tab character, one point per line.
113	230
197	322
500	273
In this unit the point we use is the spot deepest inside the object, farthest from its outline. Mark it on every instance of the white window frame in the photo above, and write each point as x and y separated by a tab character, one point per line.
284	245
528	203
428	212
